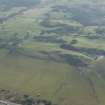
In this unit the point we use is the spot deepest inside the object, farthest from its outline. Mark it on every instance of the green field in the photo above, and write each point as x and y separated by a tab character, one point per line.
54	51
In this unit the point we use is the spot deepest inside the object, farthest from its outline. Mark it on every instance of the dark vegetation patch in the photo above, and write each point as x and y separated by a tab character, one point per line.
73	60
57	27
12	45
56	57
91	51
23	99
74	41
50	39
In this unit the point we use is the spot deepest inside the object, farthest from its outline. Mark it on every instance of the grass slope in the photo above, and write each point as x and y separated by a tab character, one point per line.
60	82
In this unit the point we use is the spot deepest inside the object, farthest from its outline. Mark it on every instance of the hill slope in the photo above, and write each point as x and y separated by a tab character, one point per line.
54	50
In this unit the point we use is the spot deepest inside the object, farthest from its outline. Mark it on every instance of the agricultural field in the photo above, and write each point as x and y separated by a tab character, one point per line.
54	49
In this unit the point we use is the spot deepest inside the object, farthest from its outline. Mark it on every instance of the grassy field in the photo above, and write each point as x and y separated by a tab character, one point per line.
36	77
32	65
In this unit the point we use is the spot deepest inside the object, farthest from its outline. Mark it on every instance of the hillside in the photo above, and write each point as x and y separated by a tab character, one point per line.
54	49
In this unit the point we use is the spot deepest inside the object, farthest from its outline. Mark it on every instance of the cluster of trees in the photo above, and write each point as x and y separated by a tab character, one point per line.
28	100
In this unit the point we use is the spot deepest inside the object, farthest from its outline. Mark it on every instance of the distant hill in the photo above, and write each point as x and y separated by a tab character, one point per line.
18	3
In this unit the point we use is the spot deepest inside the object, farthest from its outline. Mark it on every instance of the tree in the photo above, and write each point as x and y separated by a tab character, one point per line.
28	100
